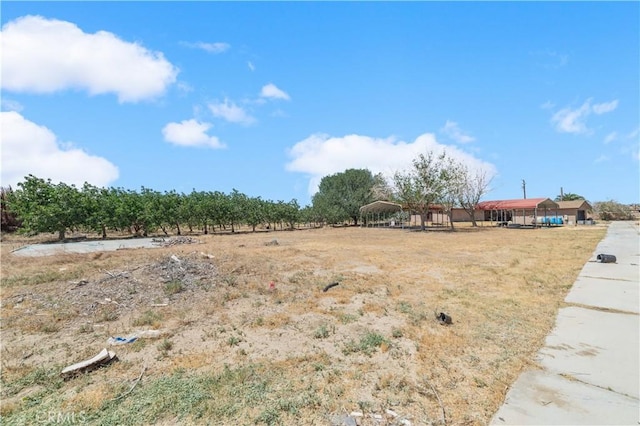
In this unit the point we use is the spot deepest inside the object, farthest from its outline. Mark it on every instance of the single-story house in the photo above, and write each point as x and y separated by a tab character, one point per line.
527	211
575	211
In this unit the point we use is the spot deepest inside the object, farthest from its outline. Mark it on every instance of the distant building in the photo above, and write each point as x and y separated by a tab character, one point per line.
575	211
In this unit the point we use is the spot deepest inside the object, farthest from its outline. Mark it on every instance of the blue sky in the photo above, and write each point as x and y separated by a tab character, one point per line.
270	97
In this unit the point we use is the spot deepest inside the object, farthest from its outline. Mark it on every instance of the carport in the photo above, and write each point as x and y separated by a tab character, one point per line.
382	214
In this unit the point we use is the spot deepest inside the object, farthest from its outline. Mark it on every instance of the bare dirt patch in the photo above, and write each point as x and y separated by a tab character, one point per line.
237	349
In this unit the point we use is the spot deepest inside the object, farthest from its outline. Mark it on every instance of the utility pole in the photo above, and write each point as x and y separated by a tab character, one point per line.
524	189
561	194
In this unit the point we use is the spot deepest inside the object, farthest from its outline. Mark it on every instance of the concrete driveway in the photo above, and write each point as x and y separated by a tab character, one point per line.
589	366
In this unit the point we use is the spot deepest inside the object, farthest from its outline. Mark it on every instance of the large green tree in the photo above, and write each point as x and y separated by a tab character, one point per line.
341	195
45	207
425	184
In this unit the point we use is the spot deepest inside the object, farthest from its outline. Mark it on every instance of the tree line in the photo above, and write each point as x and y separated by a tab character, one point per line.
40	206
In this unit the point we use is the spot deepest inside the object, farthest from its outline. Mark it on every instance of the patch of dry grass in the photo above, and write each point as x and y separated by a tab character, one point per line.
369	344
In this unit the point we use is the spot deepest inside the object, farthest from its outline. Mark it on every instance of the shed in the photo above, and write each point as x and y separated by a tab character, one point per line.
575	211
524	212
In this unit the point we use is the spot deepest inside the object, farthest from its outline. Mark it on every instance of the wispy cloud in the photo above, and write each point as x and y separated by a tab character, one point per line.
42	55
229	111
601	159
610	137
190	133
634	133
605	107
251	66
569	120
453	131
273	92
11	105
550	59
547	105
29	148
214	48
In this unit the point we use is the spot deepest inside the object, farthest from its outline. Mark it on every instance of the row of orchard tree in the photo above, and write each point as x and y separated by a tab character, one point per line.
432	179
41	206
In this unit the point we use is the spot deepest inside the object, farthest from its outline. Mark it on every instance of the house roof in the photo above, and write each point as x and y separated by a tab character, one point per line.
575	204
520	204
380	207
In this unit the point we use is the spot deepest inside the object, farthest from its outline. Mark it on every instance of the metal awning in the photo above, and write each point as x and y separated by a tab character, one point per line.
380	207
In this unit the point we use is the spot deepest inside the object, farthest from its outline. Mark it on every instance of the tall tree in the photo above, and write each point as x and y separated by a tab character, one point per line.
475	184
45	207
452	176
381	190
341	195
423	185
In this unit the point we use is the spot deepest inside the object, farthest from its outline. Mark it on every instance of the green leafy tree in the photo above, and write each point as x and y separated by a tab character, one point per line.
341	195
129	210
237	205
254	212
199	209
289	212
422	186
100	207
45	207
10	221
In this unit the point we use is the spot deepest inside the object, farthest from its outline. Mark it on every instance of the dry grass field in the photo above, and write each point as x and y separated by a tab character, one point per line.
235	349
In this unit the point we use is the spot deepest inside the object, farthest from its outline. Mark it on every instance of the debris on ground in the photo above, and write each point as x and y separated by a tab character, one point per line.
103	358
174	241
358	418
144	334
121	340
330	286
606	258
272	243
444	318
155	285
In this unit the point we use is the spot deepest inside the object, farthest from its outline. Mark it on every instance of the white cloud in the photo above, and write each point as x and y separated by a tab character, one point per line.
569	120
320	155
251	66
214	48
572	121
28	148
229	111
271	91
634	134
601	159
610	137
11	105
547	105
42	55
453	131
605	107
190	133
